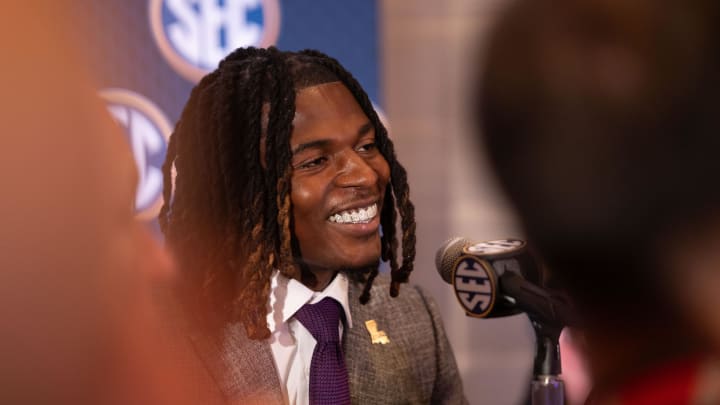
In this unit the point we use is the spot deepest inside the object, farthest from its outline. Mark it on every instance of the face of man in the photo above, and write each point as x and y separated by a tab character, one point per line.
338	182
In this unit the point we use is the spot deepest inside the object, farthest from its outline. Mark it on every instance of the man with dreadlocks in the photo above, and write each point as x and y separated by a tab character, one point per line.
286	197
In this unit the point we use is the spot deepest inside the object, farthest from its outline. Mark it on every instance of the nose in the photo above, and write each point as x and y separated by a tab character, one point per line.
354	171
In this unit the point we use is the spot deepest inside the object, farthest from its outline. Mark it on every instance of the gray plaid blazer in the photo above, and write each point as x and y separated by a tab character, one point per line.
417	366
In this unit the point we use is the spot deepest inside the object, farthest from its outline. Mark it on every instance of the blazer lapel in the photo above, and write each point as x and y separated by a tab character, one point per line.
378	369
243	369
359	355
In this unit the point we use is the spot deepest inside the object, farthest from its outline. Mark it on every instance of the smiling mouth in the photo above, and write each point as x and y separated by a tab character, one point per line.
355	216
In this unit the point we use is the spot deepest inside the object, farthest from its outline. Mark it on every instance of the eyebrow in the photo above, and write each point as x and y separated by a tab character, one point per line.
319	143
314	144
365	129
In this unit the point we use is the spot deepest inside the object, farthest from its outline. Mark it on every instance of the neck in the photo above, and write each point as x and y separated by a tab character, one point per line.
322	278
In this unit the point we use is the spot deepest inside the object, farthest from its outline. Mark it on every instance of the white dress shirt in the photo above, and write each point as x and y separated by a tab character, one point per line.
292	345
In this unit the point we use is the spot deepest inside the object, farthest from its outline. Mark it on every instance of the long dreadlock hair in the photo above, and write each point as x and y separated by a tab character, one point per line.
228	219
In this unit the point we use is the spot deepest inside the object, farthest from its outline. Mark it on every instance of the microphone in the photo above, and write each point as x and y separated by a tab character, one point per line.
500	278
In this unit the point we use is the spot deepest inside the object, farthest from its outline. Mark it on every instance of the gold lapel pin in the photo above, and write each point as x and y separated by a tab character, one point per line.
377	336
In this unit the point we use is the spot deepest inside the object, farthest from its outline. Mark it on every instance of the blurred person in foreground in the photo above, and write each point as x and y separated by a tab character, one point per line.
601	120
80	324
285	175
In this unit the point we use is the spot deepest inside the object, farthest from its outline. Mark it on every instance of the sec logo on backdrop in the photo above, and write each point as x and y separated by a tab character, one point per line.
148	131
194	35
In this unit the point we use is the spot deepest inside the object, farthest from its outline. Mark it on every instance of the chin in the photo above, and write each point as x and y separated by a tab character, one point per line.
362	263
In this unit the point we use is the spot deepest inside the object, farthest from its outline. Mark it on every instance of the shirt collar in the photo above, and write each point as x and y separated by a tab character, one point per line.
288	295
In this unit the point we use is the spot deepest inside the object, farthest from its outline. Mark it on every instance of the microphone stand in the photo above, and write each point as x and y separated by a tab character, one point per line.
546	388
548	314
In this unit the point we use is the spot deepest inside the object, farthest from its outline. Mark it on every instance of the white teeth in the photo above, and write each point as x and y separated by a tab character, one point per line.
362	215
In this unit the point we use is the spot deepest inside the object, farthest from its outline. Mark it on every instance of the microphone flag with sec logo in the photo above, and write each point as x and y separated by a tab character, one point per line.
474	270
501	278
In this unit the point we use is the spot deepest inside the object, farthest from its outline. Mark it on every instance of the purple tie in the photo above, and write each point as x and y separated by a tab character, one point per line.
328	375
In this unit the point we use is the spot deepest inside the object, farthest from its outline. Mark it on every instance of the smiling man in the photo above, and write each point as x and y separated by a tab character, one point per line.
338	182
286	197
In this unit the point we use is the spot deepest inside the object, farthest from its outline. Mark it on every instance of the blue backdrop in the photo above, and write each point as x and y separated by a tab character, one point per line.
148	54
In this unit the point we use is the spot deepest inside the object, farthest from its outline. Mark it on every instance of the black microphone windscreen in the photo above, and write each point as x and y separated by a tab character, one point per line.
447	255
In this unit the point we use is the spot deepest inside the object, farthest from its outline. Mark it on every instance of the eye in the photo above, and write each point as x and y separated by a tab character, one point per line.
368	147
309	164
